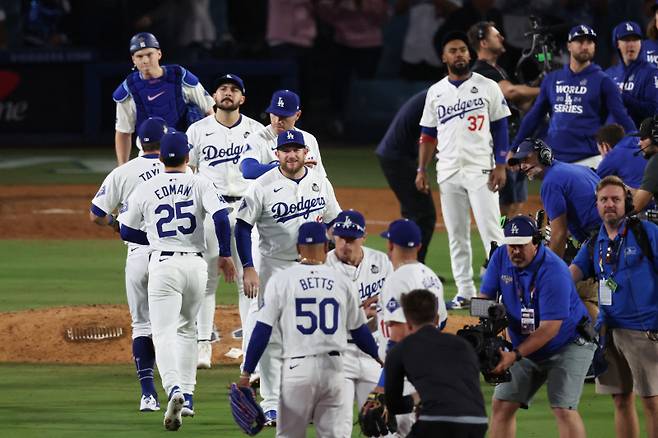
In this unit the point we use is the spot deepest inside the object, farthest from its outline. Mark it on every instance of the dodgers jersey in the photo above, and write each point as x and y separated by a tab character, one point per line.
406	278
173	206
122	181
369	277
279	206
261	146
314	307
216	150
462	115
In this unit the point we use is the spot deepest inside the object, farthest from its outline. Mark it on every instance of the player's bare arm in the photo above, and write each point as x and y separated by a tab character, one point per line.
497	178
227	268
546	331
122	142
251	282
559	234
426	149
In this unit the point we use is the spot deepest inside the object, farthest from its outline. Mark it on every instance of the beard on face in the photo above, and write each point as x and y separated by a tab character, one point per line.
583	56
459	68
227	105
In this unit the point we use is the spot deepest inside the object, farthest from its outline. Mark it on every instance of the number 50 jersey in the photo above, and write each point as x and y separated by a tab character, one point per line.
314	307
173	207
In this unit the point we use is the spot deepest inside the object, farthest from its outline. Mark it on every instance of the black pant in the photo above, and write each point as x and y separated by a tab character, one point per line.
440	429
414	205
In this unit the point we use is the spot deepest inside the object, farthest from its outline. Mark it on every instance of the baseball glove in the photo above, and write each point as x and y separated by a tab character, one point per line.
373	417
246	411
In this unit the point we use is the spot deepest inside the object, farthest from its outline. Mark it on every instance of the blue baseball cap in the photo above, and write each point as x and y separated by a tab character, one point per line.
151	130
519	230
582	30
143	40
230	78
525	148
350	223
403	232
290	138
174	144
285	103
311	233
626	28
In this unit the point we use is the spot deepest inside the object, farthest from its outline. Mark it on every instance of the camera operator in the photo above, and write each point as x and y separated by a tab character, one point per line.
648	190
452	402
623	258
546	319
578	99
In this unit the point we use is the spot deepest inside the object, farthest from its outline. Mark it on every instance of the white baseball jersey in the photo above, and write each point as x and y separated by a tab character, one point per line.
261	146
173	207
278	206
314	307
122	181
216	150
406	278
461	116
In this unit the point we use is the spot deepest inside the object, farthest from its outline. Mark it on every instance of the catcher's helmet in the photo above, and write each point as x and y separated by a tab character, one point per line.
143	40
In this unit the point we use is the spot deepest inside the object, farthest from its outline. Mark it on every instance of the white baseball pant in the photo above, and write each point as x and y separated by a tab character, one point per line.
176	284
311	390
459	194
137	261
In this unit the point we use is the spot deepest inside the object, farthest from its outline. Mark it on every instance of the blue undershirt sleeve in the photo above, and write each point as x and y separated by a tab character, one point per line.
97	211
500	134
132	235
257	344
223	232
252	169
364	340
243	242
428	131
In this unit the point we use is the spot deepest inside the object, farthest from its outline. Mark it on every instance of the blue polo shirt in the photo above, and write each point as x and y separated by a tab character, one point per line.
554	297
571	189
623	162
635	301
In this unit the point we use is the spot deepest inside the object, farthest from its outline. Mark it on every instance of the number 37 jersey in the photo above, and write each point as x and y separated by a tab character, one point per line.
172	207
314	306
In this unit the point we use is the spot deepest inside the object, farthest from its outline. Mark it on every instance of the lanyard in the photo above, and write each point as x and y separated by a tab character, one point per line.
613	246
531	286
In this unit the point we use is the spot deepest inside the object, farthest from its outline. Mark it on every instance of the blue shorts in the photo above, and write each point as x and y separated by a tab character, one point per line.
515	190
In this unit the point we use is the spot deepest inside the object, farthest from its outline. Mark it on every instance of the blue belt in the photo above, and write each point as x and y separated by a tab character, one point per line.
171	253
231	198
331	353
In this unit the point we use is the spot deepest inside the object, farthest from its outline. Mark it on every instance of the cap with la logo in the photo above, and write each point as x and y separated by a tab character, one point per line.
284	103
582	31
626	29
290	138
519	230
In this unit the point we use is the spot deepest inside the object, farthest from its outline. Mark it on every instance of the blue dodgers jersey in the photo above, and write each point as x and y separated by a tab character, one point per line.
638	83
579	104
635	302
623	161
571	189
555	296
650	51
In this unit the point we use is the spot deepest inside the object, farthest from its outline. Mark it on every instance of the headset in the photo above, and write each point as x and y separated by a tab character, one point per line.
482	27
654	129
628	202
544	151
537	236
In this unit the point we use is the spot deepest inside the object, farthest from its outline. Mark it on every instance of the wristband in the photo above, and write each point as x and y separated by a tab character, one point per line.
519	356
421	170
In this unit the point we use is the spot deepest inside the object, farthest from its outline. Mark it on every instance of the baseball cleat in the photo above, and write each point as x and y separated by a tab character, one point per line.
149	403
205	355
188	406
172	417
270	419
458	303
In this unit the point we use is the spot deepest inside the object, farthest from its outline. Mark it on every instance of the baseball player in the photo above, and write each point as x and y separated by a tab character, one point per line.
167	91
367	269
217	141
578	98
466	113
277	203
636	78
172	206
409	274
315	307
114	192
260	156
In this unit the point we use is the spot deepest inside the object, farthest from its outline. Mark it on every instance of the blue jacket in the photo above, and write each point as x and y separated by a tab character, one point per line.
638	83
623	161
650	51
401	138
635	300
545	285
578	104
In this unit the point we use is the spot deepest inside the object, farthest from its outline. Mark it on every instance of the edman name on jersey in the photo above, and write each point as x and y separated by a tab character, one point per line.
283	212
173	189
368	290
459	109
222	155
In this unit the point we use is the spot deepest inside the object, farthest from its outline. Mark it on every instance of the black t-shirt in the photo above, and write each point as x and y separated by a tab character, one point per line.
495	73
650	178
401	138
443	368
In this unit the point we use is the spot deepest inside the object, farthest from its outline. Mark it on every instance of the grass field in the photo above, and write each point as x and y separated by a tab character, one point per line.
100	401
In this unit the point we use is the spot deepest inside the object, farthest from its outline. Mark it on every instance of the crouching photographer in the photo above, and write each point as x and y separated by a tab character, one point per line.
544	314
